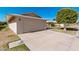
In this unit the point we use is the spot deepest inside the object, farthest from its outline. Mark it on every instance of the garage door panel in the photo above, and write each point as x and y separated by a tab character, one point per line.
32	25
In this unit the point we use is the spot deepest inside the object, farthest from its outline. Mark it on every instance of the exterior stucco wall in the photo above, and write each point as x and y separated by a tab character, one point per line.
13	27
19	26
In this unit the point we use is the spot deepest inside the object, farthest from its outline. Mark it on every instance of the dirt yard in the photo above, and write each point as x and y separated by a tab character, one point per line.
6	36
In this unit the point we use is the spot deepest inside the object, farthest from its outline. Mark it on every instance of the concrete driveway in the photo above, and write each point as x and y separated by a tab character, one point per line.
49	40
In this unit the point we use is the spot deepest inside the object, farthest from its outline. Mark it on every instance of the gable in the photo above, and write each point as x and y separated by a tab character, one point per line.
11	18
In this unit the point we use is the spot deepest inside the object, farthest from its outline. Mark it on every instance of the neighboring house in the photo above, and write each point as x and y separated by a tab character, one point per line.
51	23
54	23
24	23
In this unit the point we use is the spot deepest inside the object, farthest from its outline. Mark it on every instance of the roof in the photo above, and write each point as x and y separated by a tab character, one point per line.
13	16
31	14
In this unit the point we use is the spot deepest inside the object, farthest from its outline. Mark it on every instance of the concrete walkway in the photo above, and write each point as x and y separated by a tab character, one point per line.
49	40
15	43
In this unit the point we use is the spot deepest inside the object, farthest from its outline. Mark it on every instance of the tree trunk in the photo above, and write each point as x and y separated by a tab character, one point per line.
65	28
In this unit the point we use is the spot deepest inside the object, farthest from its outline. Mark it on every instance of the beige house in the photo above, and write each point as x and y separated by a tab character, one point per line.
20	24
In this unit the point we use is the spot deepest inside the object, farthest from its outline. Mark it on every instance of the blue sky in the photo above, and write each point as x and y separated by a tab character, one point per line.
45	12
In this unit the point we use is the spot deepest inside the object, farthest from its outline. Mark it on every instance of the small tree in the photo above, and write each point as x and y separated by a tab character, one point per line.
54	19
66	16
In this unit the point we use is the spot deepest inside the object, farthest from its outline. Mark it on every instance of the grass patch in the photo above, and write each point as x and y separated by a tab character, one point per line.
71	29
5	29
13	37
17	48
20	48
67	32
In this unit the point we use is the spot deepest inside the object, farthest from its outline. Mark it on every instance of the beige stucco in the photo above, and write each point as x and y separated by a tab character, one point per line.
27	24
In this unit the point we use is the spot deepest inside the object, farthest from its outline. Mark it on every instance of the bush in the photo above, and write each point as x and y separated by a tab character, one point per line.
52	24
3	25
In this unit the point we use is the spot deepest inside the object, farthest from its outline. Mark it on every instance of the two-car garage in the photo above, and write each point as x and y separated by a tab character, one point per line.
21	24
